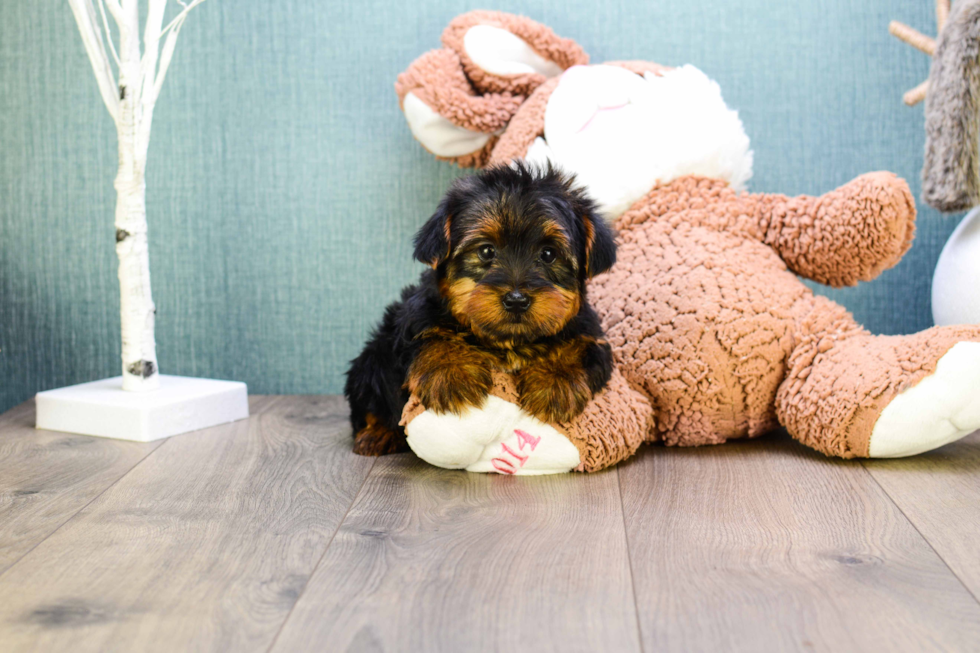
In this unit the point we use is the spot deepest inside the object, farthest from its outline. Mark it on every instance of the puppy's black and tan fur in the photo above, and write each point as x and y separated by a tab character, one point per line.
510	249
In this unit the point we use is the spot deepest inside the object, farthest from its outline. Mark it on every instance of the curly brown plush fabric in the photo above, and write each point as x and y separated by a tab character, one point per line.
437	80
612	426
527	126
841	378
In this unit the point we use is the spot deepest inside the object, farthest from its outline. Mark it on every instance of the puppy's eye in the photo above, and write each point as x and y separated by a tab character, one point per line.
486	253
548	254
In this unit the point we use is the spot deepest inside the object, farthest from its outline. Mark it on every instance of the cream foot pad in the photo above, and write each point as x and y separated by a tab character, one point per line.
940	409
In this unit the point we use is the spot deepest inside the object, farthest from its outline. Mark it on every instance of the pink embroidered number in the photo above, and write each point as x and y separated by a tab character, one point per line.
526	438
521	458
505	466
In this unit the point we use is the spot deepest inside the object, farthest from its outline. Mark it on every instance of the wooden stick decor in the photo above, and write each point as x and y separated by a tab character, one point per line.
920	42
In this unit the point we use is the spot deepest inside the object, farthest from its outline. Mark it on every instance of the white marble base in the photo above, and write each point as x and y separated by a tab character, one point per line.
179	405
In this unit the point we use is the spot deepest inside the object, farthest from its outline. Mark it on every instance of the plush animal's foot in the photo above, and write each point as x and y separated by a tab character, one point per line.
376	439
939	409
499	437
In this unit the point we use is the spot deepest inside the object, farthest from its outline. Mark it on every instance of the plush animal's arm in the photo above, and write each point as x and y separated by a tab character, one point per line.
501	437
848	235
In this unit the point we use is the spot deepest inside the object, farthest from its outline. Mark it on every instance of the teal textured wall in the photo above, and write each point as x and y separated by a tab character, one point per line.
283	184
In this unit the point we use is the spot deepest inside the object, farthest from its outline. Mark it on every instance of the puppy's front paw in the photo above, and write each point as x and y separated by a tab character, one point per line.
553	393
376	439
452	394
450	386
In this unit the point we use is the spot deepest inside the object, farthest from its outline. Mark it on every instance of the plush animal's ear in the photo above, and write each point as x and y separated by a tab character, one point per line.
506	53
600	244
459	100
433	242
446	115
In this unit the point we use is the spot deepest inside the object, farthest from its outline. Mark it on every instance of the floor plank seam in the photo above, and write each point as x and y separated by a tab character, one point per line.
323	555
629	559
921	534
87	504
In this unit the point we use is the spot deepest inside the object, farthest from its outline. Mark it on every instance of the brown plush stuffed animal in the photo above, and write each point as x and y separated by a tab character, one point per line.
714	334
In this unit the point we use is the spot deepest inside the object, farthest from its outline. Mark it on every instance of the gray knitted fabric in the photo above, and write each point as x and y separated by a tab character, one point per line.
951	172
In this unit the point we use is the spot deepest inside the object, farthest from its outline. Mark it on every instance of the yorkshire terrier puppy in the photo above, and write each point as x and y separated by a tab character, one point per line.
510	250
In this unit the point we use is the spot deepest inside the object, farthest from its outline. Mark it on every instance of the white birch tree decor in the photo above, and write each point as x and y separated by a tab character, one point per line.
129	81
130	100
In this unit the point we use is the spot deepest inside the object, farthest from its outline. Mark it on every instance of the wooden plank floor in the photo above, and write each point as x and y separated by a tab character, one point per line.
46	477
269	535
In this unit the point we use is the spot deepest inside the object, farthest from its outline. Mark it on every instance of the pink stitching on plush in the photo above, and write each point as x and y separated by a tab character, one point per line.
502	470
526	438
521	458
597	112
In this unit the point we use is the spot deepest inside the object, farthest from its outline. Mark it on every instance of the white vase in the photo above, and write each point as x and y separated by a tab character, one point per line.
956	284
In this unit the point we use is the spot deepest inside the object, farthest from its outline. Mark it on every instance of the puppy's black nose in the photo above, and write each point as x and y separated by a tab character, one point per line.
516	302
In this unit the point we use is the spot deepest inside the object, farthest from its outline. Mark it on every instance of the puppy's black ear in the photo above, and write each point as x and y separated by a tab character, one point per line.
432	242
600	244
598	252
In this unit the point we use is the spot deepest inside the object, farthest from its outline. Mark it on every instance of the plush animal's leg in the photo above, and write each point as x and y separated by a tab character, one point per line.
851	394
